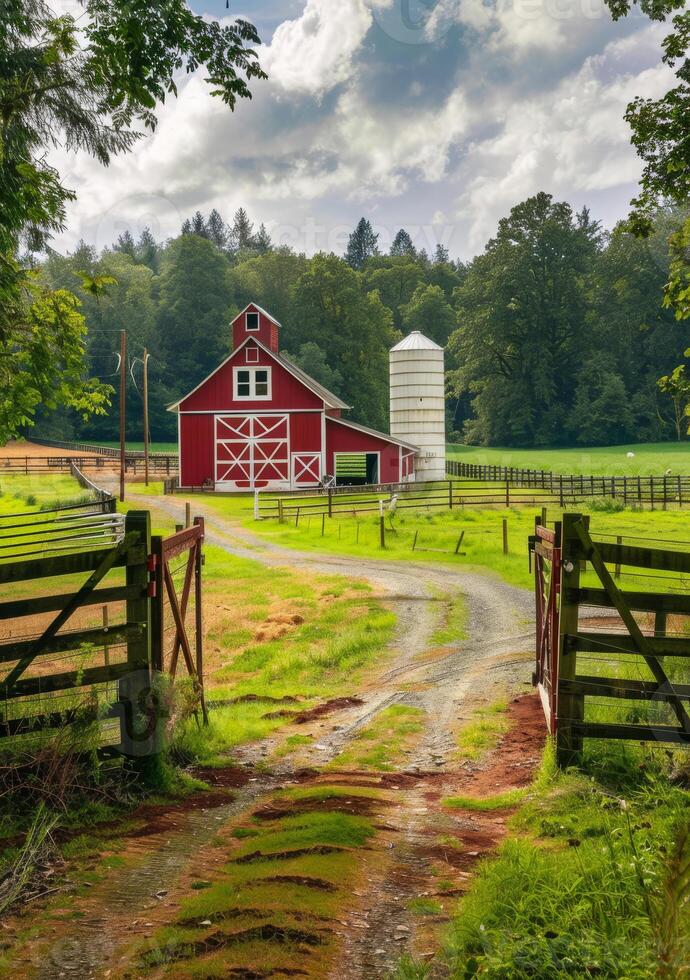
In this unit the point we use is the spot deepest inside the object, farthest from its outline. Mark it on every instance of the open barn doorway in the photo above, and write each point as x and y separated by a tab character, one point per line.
356	469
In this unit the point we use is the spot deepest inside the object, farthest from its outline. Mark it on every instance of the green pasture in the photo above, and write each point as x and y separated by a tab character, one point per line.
650	459
135	447
24	494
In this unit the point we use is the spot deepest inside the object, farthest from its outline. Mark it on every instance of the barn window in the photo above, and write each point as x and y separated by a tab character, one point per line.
251	383
252	322
252	356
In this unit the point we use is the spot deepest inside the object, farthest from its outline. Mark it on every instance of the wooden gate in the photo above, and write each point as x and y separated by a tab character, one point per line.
50	671
625	679
170	617
112	583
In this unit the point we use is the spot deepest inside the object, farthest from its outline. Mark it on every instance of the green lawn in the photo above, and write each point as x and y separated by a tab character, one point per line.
651	459
23	494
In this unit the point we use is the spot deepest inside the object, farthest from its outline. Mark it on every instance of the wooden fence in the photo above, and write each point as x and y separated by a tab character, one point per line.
162	465
656	491
117	585
630	678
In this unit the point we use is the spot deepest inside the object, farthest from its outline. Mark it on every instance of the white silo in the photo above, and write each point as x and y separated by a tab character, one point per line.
418	406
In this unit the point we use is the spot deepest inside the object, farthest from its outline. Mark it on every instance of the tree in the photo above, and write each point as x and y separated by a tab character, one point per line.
147	251
395	279
312	359
217	230
354	329
89	91
242	233
262	240
429	313
192	327
441	255
660	127
199	226
523	330
601	413
403	245
362	245
125	243
676	386
46	363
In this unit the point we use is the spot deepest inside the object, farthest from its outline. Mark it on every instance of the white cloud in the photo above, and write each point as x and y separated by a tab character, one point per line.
571	141
314	53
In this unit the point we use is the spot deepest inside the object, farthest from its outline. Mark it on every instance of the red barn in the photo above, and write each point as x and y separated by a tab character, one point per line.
259	422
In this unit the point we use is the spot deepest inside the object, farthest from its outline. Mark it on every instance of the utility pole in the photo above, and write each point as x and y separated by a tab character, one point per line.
123	381
146	416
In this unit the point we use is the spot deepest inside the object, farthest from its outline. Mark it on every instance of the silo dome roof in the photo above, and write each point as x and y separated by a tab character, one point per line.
416	341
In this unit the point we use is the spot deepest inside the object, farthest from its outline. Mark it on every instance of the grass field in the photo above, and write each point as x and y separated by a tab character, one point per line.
155	447
651	459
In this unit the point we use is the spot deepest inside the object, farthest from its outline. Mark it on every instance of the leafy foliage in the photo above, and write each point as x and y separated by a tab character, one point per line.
86	92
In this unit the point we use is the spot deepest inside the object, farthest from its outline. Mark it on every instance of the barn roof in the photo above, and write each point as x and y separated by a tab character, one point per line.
329	399
373	432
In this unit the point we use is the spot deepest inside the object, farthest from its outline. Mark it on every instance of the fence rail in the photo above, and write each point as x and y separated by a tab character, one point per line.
92	449
162	465
654	490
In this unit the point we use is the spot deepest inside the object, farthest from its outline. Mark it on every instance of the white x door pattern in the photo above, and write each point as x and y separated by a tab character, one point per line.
252	450
306	469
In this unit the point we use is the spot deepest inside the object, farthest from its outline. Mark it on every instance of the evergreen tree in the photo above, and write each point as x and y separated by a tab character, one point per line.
199	226
403	245
262	240
363	245
125	243
147	251
242	233
441	255
186	228
195	302
217	230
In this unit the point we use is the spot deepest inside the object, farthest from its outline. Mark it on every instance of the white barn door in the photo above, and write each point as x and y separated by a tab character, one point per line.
252	452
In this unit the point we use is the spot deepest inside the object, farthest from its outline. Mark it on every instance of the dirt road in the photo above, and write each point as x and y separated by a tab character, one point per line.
447	685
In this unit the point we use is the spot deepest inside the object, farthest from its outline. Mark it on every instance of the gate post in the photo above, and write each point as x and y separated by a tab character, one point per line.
140	714
570	707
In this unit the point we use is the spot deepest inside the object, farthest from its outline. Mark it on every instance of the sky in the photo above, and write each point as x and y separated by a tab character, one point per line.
437	116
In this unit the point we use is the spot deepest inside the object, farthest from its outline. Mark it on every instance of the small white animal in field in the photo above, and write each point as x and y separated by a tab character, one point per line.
393	505
668	473
631	455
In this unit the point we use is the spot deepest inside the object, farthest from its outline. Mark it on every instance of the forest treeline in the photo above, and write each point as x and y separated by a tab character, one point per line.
556	334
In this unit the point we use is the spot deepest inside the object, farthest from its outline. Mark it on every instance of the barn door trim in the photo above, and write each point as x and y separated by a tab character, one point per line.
250	446
306	469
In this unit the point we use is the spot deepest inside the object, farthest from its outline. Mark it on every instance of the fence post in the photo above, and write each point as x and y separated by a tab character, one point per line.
617	572
199	615
505	535
680	493
382	521
450	494
507	494
281	519
157	607
571	707
138	735
561	492
330	502
187	514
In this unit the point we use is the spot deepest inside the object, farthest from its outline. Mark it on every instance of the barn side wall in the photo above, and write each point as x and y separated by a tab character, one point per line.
342	439
197	456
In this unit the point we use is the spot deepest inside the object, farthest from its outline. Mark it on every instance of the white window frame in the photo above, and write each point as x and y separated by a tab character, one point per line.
254	352
249	329
252	396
